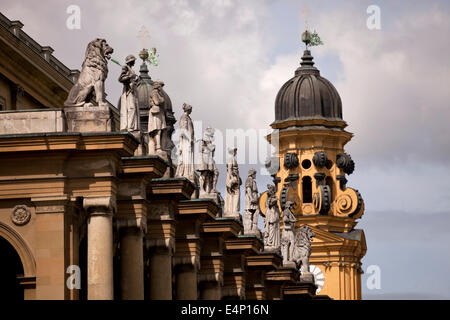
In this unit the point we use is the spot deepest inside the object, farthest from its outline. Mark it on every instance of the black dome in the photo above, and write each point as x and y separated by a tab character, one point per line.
143	92
308	95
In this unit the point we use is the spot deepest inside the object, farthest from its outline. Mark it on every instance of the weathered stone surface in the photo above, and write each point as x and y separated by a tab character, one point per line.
251	209
89	119
32	121
232	187
91	81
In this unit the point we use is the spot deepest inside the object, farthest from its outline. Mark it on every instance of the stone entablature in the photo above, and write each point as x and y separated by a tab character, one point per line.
127	210
32	121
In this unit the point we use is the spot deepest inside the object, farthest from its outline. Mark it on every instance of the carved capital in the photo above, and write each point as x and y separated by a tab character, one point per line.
139	223
100	205
193	260
166	244
211	277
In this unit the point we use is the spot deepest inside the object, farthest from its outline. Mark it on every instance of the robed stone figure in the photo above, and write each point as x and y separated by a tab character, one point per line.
287	236
272	221
251	209
186	146
156	118
233	186
207	166
129	111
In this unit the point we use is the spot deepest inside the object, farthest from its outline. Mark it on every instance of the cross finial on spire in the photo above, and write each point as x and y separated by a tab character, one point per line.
304	13
143	35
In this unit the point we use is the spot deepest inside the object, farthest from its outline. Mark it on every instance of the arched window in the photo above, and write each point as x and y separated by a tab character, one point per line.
307	189
10	269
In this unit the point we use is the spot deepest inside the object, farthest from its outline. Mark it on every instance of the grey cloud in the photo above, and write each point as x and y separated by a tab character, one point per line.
394	81
411	249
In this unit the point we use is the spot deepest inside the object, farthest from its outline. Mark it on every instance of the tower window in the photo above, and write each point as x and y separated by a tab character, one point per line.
307	189
306	164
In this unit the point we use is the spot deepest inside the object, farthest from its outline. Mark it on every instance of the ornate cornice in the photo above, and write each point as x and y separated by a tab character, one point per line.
227	227
153	166
249	244
198	207
265	260
173	188
123	143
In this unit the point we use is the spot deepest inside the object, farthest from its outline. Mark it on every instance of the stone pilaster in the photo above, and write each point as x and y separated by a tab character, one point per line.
190	217
56	247
257	267
100	247
163	195
144	225
277	280
211	273
236	251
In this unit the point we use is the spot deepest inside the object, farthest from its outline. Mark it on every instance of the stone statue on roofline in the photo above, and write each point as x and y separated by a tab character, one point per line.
251	209
287	236
129	110
233	186
156	119
207	167
302	252
272	221
91	81
186	144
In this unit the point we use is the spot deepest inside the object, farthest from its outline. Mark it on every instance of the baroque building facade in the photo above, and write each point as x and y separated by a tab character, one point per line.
87	213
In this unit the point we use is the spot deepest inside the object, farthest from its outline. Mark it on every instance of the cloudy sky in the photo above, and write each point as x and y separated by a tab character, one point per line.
228	59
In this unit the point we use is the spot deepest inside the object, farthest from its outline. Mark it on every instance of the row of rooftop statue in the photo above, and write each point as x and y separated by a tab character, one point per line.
295	247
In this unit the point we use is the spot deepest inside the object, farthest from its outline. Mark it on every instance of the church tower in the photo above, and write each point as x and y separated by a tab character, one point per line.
310	167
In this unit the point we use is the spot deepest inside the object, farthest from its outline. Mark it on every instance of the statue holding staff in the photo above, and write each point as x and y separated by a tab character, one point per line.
129	111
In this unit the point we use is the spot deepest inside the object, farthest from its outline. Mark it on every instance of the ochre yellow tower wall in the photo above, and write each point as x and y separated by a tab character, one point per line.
311	173
309	168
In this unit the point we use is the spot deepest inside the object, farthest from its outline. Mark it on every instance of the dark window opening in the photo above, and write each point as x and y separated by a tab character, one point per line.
307	189
306	164
10	269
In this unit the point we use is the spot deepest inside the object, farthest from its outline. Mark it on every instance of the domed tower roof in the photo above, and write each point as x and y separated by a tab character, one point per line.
307	95
143	92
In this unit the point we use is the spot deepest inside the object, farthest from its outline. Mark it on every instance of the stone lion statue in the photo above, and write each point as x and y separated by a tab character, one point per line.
92	77
302	247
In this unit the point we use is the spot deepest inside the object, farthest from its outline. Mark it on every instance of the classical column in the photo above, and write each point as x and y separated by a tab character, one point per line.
163	195
210	290
186	282
160	243
100	247
131	258
186	259
160	273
